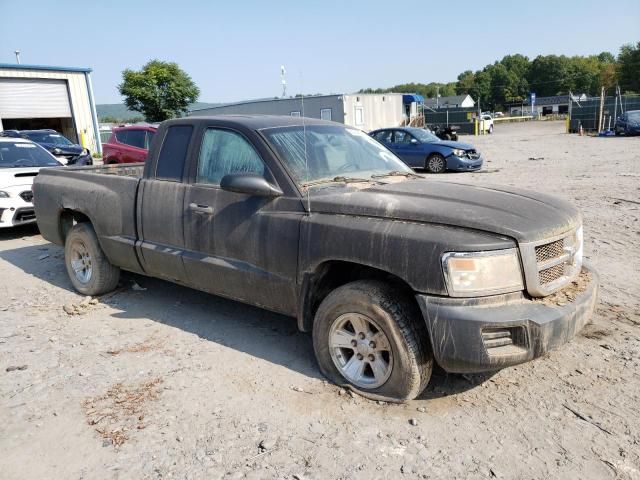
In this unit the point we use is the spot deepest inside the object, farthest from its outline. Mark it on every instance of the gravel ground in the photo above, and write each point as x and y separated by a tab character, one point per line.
159	381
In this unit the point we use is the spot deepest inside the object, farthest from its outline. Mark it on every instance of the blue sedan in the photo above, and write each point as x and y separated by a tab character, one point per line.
420	148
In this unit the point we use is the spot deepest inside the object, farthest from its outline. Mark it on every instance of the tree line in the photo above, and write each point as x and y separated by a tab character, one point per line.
511	79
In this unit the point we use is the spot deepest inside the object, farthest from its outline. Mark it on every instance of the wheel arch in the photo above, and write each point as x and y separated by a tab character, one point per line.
331	274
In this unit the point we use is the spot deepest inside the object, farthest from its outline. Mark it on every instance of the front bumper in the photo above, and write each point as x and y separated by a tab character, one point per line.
483	334
462	164
15	211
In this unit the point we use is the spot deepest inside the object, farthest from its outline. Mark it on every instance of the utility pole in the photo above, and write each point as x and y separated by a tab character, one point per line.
437	97
600	119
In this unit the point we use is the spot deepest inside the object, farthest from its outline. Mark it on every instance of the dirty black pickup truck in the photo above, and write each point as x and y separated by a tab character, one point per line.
389	270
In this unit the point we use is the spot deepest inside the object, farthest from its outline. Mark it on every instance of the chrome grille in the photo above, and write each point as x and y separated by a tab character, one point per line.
27	196
550	274
549	251
550	265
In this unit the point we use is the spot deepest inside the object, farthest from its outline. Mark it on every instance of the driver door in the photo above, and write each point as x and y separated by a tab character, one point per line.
239	246
410	152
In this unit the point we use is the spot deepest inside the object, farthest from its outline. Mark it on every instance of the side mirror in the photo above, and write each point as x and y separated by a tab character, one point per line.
249	184
414	141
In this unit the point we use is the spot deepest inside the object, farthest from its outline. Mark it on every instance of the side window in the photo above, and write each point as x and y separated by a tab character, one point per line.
401	137
121	136
174	152
150	136
136	138
225	152
383	136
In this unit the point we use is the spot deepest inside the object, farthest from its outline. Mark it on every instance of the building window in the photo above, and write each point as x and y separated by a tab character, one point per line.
359	116
295	114
325	114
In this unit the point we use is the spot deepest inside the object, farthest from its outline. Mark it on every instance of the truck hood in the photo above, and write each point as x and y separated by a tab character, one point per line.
10	177
520	214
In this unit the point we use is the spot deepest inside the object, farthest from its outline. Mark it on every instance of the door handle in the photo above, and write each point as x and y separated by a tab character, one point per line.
200	208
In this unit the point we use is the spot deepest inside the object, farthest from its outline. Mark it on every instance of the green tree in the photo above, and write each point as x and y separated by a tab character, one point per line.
629	68
465	83
161	90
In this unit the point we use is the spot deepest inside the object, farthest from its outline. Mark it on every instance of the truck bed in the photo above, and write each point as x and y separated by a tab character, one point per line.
104	194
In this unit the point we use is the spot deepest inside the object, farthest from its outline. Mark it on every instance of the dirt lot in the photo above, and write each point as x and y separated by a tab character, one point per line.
158	381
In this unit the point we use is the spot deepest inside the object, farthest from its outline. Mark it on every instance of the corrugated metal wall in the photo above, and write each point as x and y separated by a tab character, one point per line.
78	93
312	107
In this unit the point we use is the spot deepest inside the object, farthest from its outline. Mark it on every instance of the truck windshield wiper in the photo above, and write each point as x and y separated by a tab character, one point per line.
335	180
395	173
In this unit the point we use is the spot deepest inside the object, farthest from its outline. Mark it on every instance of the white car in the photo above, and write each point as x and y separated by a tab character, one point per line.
486	123
20	162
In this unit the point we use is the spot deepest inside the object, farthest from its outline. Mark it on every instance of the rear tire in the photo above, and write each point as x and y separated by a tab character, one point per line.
89	270
490	129
370	337
435	163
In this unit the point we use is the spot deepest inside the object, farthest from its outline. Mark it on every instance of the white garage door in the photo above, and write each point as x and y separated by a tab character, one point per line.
33	98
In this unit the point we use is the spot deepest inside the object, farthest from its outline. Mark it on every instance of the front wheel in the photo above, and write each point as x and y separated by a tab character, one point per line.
89	270
369	337
436	163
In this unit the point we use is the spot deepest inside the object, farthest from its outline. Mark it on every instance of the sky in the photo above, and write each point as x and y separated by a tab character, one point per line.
233	50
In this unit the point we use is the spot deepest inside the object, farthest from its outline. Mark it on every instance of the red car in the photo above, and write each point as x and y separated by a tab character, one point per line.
128	144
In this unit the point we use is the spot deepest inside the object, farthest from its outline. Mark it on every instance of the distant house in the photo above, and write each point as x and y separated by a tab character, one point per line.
364	111
457	101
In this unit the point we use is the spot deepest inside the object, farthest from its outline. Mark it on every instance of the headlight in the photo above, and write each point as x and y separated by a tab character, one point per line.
56	151
84	152
4	194
482	273
459	153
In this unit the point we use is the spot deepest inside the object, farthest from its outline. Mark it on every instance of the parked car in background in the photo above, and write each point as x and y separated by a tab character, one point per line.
20	162
420	148
628	123
67	152
498	114
128	144
486	123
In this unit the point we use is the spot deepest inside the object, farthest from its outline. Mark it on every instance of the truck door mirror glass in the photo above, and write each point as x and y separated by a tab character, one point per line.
249	184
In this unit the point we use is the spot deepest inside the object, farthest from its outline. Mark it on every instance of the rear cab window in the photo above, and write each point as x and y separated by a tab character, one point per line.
173	153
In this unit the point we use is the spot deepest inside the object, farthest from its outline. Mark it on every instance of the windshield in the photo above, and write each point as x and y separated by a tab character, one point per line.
22	154
425	136
331	152
47	137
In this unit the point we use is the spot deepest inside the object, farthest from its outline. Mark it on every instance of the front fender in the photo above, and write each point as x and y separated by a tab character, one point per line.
411	251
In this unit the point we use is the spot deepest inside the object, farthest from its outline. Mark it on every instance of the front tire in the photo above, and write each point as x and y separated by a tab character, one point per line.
89	270
370	338
436	163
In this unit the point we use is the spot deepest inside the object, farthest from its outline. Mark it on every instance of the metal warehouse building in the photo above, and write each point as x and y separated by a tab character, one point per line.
364	111
60	98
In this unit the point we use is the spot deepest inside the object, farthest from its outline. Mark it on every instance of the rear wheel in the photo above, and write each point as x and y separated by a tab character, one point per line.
435	163
89	269
490	129
369	337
